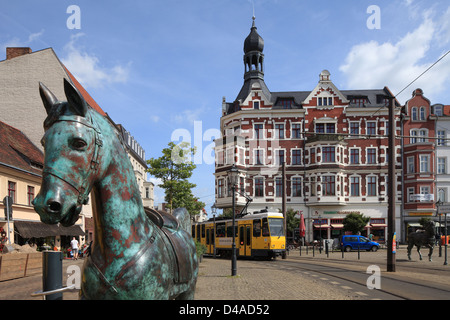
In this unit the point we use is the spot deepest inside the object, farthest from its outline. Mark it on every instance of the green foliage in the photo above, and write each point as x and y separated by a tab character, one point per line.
201	248
174	168
292	222
355	222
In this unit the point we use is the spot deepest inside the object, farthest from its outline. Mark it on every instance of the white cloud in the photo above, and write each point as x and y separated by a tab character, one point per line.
87	68
35	36
188	115
374	65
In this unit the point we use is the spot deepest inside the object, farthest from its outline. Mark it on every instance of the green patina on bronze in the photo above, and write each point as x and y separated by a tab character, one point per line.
136	253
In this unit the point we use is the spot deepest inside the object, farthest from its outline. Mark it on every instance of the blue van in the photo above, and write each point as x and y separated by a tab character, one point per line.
351	242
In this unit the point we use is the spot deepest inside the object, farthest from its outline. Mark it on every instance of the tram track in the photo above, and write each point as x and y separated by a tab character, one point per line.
394	286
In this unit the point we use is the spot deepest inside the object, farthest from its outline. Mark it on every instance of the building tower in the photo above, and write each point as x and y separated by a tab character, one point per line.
253	63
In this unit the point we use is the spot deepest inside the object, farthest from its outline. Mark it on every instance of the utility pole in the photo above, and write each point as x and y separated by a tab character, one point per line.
283	202
392	188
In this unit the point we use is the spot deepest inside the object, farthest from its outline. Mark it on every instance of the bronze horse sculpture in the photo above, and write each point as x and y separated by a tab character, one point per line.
136	253
420	239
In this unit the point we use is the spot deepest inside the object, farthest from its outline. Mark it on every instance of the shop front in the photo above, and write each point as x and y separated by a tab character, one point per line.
44	235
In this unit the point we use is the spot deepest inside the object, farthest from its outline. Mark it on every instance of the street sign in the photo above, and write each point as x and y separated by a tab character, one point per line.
445	208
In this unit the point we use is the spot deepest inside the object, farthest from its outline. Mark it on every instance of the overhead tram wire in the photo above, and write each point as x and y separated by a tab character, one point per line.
428	69
369	136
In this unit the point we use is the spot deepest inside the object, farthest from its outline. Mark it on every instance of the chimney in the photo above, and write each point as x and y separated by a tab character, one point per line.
13	52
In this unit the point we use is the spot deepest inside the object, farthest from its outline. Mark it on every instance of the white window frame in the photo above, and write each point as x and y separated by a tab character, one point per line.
410	165
424	163
442	165
441	134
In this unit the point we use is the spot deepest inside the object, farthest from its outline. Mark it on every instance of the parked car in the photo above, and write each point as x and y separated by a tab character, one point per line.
352	242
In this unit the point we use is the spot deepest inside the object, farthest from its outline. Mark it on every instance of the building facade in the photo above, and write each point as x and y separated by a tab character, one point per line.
333	143
21	108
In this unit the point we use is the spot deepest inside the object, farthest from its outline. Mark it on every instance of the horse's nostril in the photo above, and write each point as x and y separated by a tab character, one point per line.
54	206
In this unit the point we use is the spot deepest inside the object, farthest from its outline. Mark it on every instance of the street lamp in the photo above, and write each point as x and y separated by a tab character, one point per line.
233	176
213	211
444	208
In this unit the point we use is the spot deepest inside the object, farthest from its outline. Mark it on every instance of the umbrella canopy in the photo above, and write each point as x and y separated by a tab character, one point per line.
302	228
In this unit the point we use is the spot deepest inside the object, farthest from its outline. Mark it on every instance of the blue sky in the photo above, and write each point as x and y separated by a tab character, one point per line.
161	67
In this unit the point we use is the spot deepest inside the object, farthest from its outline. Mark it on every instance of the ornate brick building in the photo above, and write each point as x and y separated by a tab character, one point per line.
333	142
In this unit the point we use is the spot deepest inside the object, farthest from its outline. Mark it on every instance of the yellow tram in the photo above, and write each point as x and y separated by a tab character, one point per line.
256	235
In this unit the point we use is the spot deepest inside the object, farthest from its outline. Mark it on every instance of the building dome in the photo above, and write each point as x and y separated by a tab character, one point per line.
253	42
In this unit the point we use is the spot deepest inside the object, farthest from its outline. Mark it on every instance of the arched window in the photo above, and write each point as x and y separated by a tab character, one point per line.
422	113
414	113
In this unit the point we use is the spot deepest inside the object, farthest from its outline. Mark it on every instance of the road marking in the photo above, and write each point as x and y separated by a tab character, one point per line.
323	278
334	282
346	287
361	293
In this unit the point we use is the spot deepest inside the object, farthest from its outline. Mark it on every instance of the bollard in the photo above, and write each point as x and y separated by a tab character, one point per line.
52	273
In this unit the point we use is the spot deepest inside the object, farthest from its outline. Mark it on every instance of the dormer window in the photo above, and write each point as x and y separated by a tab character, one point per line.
359	102
286	103
255	104
438	110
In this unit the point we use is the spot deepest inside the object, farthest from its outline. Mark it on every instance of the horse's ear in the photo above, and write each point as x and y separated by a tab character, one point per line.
75	99
48	98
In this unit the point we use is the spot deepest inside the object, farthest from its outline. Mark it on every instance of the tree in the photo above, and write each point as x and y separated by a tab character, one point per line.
355	222
174	168
292	222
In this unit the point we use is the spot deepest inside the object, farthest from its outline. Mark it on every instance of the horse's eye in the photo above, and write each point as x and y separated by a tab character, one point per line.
79	144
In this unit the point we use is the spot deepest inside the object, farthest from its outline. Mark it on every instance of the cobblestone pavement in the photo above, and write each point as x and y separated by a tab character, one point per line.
260	281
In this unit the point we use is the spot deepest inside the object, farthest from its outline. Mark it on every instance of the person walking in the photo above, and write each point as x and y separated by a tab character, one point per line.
74	245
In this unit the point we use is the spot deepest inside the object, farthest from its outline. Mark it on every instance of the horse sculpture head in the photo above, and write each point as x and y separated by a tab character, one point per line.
71	143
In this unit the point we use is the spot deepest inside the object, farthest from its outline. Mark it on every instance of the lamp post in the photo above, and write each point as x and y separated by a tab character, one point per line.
214	211
233	176
445	237
444	209
438	204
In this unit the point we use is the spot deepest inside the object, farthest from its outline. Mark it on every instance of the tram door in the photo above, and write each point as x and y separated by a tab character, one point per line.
245	240
210	240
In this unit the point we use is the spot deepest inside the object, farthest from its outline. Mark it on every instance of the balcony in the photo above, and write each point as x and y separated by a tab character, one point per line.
325	137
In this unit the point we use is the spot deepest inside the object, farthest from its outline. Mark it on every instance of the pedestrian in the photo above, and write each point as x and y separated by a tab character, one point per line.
74	245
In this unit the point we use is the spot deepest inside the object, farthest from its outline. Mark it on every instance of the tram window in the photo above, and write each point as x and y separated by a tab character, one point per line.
249	236
265	228
220	230
257	228
193	231
207	236
230	231
276	227
203	230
